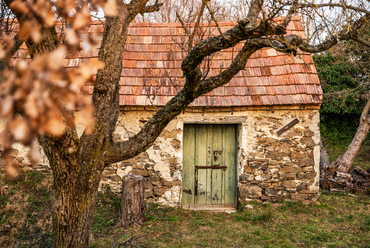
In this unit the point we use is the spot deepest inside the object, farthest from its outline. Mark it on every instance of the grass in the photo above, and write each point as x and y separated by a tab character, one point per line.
335	220
25	205
361	160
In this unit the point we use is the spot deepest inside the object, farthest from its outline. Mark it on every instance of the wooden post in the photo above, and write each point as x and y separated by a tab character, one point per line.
132	201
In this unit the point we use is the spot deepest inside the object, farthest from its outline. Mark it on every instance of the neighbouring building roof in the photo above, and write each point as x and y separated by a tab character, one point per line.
154	52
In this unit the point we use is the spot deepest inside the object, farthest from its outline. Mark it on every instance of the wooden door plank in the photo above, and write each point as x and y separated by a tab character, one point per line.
216	158
201	160
230	149
209	163
188	175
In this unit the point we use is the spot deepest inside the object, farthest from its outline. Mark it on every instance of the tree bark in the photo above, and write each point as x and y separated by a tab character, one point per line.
132	201
76	181
324	158
73	215
344	162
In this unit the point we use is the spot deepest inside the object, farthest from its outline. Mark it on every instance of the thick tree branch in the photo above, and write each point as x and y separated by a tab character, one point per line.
147	135
237	65
215	44
96	145
152	8
365	116
344	162
288	17
254	11
134	7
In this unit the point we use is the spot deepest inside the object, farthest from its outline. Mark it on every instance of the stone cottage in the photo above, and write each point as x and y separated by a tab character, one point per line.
256	138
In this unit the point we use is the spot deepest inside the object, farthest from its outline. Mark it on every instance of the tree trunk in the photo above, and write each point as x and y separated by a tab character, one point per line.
76	178
132	201
72	218
324	158
344	162
75	198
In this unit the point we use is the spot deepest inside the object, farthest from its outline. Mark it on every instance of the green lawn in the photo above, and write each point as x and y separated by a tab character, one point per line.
333	221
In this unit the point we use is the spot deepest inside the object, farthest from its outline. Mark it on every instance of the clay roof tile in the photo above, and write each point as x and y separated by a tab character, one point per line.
152	65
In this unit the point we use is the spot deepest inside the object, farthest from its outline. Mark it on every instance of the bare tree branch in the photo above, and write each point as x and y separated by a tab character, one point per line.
315	6
152	8
237	65
213	17
295	40
288	17
196	25
183	24
362	41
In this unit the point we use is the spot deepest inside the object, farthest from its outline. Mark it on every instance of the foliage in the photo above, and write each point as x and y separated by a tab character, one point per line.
338	130
341	83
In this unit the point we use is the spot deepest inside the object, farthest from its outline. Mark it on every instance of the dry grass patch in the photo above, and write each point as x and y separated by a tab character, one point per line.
25	210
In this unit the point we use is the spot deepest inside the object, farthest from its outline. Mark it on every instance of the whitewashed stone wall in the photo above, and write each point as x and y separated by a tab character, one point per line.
270	167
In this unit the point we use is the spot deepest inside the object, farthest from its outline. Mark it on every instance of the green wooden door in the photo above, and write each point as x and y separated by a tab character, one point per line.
209	164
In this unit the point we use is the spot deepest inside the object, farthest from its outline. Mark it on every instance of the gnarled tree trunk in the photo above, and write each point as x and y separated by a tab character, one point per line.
76	180
344	162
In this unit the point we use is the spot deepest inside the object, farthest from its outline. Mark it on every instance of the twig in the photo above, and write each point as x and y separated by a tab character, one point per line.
213	18
129	241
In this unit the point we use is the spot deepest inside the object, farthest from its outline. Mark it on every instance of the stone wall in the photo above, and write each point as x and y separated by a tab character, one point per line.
20	154
270	167
286	166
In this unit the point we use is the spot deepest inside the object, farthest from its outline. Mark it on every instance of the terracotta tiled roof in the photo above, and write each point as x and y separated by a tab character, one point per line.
151	70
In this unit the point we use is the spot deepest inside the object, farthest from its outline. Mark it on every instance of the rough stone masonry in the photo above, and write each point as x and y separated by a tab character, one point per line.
270	167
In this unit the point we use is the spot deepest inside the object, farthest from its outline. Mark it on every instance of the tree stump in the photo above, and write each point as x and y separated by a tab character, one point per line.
132	201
